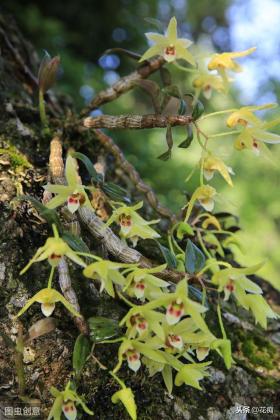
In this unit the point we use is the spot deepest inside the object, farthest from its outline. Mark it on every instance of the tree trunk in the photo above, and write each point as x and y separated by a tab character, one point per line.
24	154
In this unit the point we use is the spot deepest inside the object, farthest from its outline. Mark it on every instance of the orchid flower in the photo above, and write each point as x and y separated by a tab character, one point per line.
205	195
245	116
206	83
65	402
125	395
225	61
131	350
211	164
252	137
73	193
53	250
140	320
48	298
132	225
142	284
169	45
107	272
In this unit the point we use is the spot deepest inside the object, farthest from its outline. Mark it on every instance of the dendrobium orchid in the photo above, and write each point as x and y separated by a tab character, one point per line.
125	395
142	284
48	298
139	321
225	61
234	281
206	83
132	225
65	402
169	46
131	350
245	116
205	195
54	249
191	374
107	272
252	137
73	193
211	164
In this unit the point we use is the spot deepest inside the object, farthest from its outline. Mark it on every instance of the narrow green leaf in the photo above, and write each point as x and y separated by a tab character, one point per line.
115	192
168	256
75	242
195	259
81	352
89	166
102	328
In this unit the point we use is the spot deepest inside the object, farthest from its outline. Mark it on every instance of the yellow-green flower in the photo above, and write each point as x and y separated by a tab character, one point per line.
73	193
205	195
260	308
125	395
48	298
131	350
65	402
233	280
191	374
169	46
53	250
142	284
252	137
132	225
245	116
211	164
206	83
225	61
107	272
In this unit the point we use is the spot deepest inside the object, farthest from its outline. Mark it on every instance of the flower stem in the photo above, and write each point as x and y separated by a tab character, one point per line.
221	321
225	133
42	110
213	114
187	69
51	278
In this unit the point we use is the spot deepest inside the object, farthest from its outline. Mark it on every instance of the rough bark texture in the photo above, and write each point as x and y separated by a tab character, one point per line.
254	379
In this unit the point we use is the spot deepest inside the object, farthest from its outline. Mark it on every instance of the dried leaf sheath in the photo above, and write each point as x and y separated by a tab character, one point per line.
137	121
124	84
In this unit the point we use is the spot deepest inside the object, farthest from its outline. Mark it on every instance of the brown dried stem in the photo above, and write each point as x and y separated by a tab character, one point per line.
124	84
137	121
134	176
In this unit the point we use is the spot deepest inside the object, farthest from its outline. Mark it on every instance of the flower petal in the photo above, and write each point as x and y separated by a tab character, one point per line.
172	30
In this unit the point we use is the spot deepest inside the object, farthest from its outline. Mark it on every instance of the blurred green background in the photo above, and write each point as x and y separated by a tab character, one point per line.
80	31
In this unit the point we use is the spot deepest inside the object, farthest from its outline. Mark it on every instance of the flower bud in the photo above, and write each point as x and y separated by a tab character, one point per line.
47	72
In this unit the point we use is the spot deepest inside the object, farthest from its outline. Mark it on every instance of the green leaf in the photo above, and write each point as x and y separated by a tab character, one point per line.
198	110
115	192
188	141
165	156
49	215
167	377
96	177
102	328
195	259
196	294
81	352
184	229
168	256
75	242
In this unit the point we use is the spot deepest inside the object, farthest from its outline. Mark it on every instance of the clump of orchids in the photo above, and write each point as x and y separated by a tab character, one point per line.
165	328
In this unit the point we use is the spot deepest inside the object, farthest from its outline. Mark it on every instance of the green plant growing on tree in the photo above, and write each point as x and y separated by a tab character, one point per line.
165	327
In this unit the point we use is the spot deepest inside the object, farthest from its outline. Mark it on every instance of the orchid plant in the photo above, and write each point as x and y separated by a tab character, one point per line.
165	327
